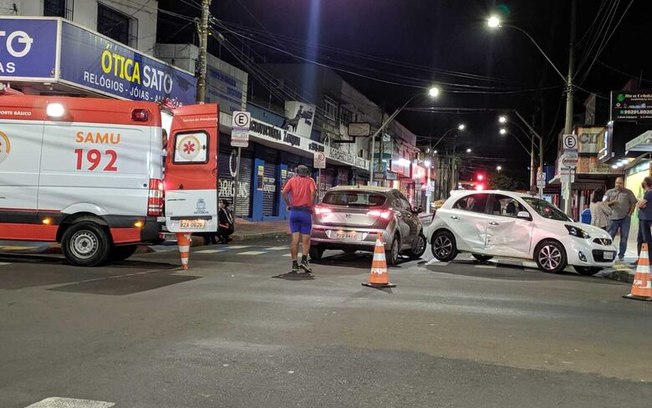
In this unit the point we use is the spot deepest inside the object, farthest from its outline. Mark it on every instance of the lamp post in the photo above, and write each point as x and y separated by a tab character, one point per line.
433	93
504	131
503	120
494	23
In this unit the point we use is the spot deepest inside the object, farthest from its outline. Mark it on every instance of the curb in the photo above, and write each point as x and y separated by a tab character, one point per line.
620	273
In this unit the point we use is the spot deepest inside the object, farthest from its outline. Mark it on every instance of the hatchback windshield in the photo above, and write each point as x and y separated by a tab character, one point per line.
354	198
545	209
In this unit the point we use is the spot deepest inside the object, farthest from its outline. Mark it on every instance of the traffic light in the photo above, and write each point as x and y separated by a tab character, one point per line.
479	181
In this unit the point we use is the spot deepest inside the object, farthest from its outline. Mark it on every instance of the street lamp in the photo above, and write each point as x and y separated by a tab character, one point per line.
468	150
461	127
433	92
499	168
503	131
502	119
532	133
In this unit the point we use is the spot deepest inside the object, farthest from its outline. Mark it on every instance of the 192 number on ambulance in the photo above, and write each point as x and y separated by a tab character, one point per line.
94	159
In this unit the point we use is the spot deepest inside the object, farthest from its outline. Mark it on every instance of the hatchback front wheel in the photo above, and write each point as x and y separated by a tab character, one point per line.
550	256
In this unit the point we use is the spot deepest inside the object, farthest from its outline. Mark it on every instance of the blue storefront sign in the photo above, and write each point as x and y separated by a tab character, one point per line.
86	59
95	62
28	49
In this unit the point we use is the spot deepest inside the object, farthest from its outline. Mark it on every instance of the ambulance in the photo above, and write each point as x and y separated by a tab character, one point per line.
101	176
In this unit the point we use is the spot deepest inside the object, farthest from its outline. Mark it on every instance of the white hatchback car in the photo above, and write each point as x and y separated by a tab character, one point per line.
499	223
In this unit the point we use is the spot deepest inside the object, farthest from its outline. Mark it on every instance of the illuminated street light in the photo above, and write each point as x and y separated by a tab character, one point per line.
503	131
468	150
461	126
434	152
427	163
499	168
502	119
434	92
493	22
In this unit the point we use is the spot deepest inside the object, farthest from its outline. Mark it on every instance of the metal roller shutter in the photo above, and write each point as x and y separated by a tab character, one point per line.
270	196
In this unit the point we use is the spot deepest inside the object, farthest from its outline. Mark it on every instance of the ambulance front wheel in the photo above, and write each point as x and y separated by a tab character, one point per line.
85	244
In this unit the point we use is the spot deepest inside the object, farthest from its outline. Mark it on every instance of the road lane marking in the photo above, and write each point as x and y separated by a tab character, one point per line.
487	266
4	263
276	248
210	251
237	246
57	402
251	253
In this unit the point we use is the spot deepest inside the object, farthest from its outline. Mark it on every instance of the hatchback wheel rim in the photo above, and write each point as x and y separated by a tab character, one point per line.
443	246
550	257
84	244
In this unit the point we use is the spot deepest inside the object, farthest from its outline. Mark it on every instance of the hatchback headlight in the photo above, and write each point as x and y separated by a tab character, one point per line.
577	232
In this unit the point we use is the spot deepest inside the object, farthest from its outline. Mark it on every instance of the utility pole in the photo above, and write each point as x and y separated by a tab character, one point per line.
203	50
568	128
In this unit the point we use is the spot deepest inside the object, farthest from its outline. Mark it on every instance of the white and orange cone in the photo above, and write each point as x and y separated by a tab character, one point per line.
642	285
183	242
379	277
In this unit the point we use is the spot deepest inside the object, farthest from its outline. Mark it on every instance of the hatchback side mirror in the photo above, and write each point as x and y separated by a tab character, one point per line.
524	215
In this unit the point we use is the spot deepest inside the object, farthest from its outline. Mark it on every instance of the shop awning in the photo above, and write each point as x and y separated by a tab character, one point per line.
641	143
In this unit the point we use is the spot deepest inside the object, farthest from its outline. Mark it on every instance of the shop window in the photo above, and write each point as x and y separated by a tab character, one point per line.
330	108
58	8
117	25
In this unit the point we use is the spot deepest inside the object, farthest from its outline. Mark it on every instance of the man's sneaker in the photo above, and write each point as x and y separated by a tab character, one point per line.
295	268
305	266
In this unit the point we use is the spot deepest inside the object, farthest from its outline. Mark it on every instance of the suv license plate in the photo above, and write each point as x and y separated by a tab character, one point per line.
192	224
609	256
346	235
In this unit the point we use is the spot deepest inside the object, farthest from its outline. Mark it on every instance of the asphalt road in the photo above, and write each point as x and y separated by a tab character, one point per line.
237	331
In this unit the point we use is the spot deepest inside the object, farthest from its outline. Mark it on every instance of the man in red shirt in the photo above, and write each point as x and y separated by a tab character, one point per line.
299	195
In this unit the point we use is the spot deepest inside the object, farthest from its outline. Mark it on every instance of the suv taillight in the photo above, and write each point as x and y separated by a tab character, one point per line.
155	198
384	214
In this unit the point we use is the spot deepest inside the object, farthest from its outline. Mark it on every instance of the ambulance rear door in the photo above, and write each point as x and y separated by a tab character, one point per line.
191	169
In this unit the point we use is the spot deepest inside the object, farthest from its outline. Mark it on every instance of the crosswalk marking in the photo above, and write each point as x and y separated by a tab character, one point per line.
276	248
4	263
210	251
238	246
251	253
56	402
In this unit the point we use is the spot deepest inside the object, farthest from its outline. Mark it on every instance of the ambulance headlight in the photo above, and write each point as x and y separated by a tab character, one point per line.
55	110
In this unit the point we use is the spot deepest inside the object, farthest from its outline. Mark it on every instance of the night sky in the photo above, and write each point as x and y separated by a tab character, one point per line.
392	49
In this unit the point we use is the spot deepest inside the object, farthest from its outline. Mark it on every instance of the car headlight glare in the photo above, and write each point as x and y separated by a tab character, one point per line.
577	232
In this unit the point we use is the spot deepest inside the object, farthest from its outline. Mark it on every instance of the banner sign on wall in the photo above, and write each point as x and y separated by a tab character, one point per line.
300	117
106	66
28	49
588	138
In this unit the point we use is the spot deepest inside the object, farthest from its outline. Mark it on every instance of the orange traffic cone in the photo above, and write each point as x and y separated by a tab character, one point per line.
183	242
642	286
379	277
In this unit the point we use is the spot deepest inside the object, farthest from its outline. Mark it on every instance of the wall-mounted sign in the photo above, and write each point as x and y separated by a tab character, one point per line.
632	105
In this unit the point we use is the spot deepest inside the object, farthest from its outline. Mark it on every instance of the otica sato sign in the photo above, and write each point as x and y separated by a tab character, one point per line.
28	49
54	50
93	61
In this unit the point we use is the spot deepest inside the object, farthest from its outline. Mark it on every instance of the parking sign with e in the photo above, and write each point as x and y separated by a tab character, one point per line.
241	119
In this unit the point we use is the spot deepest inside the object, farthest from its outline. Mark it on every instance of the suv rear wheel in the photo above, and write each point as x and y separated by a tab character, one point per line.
393	252
443	246
418	246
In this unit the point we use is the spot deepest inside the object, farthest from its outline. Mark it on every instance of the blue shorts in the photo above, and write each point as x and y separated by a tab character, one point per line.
301	221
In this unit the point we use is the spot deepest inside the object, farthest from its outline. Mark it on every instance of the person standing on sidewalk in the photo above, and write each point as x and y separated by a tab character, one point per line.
299	194
644	206
600	211
622	202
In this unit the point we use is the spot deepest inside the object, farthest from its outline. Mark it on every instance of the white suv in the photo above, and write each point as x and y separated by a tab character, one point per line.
499	223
